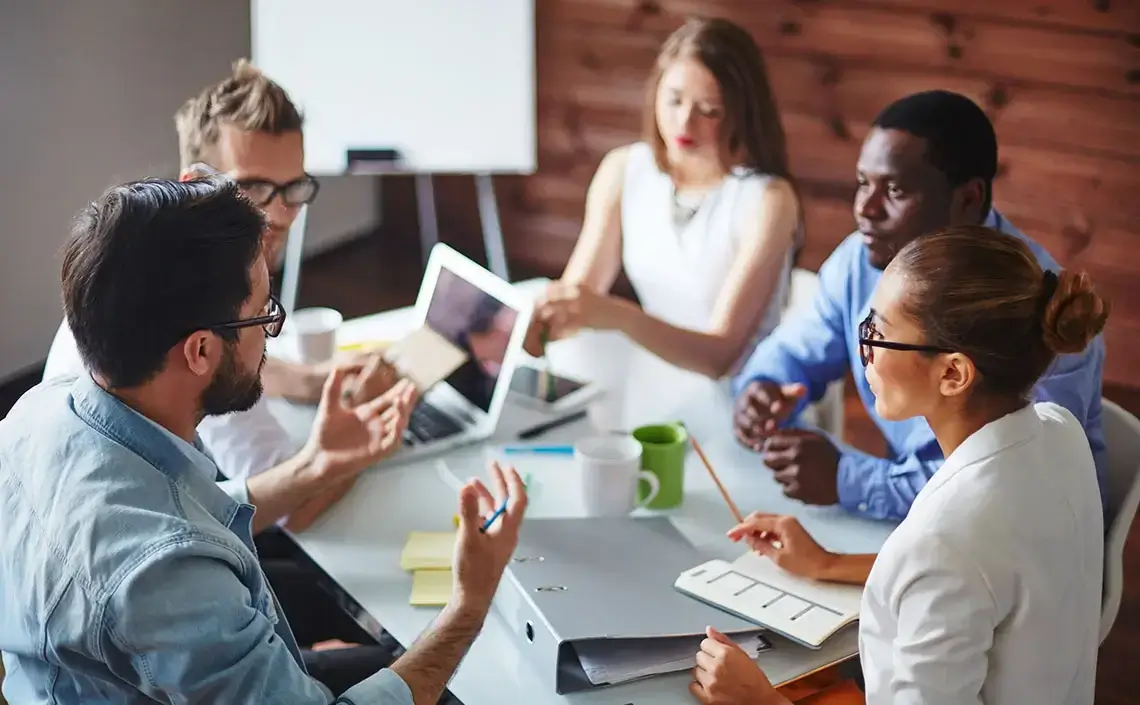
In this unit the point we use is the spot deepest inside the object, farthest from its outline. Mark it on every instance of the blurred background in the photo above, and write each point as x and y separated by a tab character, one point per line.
88	91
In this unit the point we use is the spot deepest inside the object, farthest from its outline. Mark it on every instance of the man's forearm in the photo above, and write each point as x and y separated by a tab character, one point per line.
432	660
281	489
310	509
292	380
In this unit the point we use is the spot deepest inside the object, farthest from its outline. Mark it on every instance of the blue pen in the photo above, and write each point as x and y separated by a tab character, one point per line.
542	450
487	524
503	507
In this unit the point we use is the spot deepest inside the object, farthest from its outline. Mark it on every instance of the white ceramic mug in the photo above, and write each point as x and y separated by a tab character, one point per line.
611	473
315	330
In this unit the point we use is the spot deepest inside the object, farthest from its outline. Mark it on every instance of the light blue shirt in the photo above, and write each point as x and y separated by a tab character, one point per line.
127	575
820	345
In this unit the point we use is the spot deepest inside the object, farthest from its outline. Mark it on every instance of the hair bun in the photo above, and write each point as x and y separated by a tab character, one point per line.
1074	314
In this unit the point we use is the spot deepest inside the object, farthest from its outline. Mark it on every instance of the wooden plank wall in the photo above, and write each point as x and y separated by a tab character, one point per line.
1060	79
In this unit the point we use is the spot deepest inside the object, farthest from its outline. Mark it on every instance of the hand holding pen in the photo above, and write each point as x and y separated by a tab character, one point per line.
488	534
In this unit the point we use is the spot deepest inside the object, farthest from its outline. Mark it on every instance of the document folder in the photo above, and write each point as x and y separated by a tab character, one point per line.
574	580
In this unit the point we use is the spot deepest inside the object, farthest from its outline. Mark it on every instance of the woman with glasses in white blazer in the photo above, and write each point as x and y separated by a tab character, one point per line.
990	590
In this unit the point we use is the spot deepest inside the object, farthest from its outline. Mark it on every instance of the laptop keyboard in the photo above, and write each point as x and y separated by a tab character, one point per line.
428	423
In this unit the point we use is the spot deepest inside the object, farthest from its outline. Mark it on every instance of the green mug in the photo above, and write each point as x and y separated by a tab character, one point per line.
663	449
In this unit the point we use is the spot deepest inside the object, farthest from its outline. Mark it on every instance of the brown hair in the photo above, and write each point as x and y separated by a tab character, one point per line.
981	292
247	99
751	133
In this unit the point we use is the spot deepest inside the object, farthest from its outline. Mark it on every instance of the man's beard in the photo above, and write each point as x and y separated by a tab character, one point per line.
232	389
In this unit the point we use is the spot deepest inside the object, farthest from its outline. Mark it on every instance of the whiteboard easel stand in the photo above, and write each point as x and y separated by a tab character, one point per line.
428	220
294	253
492	229
488	220
429	234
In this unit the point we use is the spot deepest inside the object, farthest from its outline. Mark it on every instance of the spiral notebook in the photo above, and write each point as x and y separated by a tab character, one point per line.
754	588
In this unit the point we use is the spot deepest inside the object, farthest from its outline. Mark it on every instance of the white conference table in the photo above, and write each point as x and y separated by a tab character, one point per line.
358	542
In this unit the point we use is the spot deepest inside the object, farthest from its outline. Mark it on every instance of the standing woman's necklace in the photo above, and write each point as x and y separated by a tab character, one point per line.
685	206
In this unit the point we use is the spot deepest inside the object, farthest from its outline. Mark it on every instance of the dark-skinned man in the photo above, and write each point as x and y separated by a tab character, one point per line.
928	162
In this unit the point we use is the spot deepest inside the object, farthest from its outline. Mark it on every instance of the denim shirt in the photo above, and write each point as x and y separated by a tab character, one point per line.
127	575
821	345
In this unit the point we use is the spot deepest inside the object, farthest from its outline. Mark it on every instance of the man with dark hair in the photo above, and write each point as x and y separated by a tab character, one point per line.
928	162
216	237
131	571
246	127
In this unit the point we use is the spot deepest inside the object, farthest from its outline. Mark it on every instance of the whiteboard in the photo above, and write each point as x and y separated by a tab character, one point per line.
448	83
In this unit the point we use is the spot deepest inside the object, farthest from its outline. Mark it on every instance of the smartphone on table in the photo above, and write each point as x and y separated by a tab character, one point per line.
541	388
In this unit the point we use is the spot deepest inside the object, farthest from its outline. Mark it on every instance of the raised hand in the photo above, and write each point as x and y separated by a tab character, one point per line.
347	439
376	377
761	408
481	557
565	308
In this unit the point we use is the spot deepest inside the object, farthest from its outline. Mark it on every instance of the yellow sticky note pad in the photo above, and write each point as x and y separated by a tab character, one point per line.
428	550
430	588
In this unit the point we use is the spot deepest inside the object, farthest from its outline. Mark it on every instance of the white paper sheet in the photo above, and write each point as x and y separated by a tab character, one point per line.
613	661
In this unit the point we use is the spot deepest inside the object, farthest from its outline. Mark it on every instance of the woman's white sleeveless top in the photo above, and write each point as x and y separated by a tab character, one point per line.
677	268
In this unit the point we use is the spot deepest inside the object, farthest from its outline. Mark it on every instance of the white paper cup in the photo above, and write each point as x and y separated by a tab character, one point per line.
315	331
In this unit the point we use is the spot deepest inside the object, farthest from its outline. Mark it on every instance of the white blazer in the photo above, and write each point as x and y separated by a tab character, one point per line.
989	591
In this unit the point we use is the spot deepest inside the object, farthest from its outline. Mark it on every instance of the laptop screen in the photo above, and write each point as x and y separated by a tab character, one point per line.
478	323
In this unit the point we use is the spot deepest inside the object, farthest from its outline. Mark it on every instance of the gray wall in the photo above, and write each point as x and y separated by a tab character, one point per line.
88	92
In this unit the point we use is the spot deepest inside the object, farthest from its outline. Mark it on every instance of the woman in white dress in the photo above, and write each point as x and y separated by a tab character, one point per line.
702	214
990	590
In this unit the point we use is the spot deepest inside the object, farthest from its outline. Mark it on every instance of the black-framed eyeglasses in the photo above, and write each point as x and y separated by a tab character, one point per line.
273	320
298	192
869	340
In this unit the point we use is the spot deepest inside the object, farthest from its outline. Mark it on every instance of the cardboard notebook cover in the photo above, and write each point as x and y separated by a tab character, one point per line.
425	357
753	587
578	579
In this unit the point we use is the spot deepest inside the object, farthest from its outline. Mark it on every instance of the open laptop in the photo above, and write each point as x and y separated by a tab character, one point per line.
488	319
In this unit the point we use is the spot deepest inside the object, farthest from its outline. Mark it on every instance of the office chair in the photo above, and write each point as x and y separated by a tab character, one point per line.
1122	435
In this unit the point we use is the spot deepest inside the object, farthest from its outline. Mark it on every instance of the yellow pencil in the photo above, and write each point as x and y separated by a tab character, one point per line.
363	345
712	473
